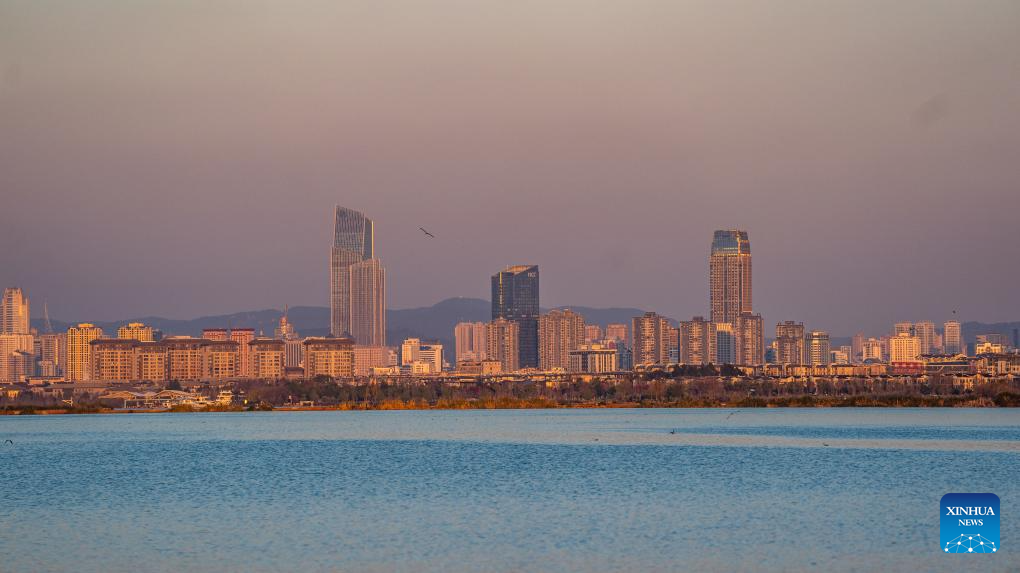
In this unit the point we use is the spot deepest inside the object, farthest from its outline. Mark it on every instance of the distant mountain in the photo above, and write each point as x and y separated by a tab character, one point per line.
433	323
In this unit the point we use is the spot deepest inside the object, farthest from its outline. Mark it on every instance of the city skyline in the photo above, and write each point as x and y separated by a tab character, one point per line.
620	149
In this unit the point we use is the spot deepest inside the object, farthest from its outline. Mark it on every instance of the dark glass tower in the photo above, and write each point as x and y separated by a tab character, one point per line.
515	297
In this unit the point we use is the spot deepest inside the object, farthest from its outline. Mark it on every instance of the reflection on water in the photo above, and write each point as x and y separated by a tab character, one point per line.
552	490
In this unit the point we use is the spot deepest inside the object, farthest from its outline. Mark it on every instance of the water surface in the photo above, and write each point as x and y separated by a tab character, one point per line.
532	490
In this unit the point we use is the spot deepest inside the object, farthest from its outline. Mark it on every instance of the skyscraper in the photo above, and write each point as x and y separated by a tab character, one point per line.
14	312
515	298
730	276
243	338
357	280
559	333
951	337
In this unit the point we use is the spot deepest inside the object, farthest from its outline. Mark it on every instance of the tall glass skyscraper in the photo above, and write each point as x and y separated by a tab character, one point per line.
515	298
730	276
357	280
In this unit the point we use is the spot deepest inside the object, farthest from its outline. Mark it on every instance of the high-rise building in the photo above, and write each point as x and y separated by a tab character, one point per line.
904	348
368	357
725	343
14	316
53	350
222	358
951	337
113	360
515	298
432	355
502	337
790	342
136	331
267	357
79	351
903	328
559	333
651	339
243	338
410	351
730	276
13	347
593	359
469	342
872	351
819	350
697	341
357	280
925	332
331	357
215	334
592	333
616	332
285	330
857	348
750	339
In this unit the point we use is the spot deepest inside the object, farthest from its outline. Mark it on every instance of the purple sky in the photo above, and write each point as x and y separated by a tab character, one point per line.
183	158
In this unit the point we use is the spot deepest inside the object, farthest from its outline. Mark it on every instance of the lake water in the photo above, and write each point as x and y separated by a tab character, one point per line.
531	490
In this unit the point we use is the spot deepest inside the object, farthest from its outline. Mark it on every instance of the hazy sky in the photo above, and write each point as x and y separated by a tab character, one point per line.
183	157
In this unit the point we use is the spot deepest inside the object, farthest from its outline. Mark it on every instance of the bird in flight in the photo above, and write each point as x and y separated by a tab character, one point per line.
426	232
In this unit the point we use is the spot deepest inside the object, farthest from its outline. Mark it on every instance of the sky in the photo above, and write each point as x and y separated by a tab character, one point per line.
182	158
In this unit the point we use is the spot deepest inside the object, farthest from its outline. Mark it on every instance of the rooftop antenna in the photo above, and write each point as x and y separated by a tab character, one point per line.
47	325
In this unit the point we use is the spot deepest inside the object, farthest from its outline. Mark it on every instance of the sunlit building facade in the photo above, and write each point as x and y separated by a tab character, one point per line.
515	298
651	339
332	357
79	351
730	276
697	341
502	337
469	342
559	333
790	342
14	312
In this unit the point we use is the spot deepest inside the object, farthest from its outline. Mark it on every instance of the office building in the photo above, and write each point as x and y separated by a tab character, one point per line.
357	280
559	333
730	276
515	298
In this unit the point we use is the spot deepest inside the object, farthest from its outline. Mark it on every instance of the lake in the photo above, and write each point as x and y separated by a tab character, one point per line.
508	490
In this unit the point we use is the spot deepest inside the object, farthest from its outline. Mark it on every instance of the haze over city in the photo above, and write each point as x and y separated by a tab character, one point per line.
184	159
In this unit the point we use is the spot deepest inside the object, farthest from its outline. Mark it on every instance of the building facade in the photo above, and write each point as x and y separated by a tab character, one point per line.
750	339
790	342
730	276
357	280
697	341
79	351
593	359
332	357
952	338
502	337
469	342
559	333
651	339
14	312
515	298
819	349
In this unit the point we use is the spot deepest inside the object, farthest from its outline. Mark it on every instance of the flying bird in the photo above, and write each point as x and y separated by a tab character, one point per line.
426	232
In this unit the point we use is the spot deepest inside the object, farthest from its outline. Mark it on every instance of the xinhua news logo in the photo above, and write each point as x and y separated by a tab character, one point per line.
969	523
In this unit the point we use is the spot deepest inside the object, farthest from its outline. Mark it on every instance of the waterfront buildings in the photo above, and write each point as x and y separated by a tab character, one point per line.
559	333
750	331
14	312
925	332
593	359
697	341
267	357
790	342
904	347
651	339
79	351
951	338
357	280
469	342
13	348
502	338
243	337
730	276
367	358
215	334
136	331
818	348
332	357
515	298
